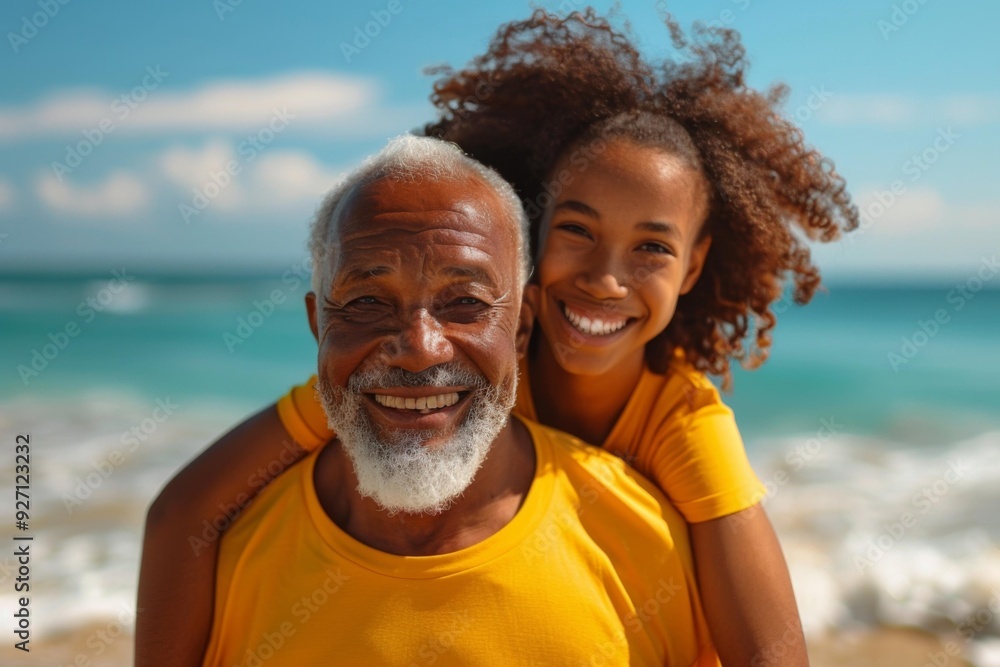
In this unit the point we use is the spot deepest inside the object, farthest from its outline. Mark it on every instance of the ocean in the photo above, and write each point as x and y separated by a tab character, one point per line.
875	426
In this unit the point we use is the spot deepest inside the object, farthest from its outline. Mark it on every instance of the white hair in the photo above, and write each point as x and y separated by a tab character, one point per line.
410	158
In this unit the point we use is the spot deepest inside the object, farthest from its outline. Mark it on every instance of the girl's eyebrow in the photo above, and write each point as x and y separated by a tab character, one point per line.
579	207
668	228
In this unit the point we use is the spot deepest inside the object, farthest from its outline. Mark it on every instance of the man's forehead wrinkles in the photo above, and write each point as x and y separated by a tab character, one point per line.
372	238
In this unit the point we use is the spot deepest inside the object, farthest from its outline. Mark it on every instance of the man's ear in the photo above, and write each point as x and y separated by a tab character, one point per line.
526	319
311	312
696	262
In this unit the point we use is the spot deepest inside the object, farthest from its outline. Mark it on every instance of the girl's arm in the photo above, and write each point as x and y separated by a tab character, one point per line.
183	528
746	591
699	460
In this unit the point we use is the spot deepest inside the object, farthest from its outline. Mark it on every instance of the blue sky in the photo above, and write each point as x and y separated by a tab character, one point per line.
162	96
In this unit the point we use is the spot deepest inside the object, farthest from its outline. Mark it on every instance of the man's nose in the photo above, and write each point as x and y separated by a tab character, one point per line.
420	344
601	278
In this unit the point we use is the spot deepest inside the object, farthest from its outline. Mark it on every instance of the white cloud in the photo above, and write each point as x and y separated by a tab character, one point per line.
896	110
274	181
191	168
290	176
6	196
888	213
310	99
121	194
922	235
979	216
848	109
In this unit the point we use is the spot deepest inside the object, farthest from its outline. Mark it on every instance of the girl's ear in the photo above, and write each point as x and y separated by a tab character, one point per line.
696	262
526	320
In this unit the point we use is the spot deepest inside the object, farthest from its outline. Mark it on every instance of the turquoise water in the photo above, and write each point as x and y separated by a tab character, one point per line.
163	335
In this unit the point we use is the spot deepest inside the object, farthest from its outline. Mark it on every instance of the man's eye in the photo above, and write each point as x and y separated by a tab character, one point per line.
364	301
466	301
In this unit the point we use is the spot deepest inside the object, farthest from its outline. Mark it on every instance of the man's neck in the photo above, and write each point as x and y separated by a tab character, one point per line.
488	504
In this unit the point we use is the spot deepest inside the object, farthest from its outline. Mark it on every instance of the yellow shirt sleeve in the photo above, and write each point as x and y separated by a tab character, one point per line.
303	417
676	431
693	449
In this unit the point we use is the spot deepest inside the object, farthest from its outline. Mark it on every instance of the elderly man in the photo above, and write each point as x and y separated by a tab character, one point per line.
436	529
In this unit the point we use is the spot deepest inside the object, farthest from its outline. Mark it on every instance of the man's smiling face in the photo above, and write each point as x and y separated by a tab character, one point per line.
416	330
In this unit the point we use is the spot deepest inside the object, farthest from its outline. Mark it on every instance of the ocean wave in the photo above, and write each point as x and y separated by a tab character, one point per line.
879	533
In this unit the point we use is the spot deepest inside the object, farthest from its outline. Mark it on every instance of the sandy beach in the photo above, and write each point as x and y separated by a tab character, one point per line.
887	647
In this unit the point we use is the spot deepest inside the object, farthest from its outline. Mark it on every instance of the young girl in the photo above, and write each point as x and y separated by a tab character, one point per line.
665	205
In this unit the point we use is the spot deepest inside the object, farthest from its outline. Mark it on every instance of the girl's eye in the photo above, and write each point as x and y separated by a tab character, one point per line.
657	248
574	228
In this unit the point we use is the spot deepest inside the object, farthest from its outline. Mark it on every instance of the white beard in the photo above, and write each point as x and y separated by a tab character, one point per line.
394	468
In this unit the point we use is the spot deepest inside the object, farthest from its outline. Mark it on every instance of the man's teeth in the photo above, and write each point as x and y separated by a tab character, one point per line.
593	327
423	403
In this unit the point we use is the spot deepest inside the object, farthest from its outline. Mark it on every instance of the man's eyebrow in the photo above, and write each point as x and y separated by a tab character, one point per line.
473	273
579	207
668	228
363	273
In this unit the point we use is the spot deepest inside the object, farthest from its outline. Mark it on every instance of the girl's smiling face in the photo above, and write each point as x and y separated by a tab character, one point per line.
619	244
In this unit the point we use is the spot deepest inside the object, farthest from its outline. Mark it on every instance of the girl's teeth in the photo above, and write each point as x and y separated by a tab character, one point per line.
593	327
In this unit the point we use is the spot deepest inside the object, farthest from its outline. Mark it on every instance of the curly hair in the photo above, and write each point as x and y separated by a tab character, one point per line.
548	83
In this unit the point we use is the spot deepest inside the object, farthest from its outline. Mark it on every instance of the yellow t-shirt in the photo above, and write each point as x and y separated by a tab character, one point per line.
674	429
595	568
